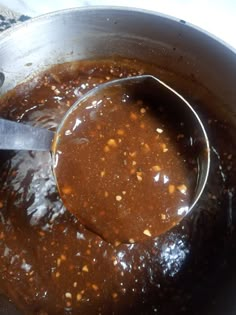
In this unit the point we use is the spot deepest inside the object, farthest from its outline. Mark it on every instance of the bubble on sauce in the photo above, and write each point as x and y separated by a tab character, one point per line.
173	254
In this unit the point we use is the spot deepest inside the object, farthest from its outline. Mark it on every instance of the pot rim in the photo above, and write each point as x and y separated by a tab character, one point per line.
6	33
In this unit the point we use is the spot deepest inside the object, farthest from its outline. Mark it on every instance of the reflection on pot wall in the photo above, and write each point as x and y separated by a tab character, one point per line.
216	17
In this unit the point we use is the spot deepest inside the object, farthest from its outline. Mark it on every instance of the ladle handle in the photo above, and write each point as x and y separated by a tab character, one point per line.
19	136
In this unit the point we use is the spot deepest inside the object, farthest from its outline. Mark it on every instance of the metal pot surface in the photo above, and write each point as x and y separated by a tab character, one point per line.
194	60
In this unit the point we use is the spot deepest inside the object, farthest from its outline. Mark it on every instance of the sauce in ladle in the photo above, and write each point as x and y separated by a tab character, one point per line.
125	166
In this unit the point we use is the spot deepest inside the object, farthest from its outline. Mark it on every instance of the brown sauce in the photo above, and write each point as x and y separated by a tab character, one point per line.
51	264
122	168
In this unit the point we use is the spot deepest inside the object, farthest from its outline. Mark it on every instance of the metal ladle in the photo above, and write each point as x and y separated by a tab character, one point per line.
19	136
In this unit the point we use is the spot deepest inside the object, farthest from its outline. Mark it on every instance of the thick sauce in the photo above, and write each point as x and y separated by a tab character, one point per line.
51	264
122	166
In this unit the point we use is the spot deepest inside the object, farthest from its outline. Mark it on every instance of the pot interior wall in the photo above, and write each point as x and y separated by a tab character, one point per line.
93	33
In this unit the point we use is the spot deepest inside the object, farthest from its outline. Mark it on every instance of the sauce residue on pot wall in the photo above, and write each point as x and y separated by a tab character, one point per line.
51	264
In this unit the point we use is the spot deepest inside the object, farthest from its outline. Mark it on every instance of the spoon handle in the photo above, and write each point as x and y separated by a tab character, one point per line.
18	136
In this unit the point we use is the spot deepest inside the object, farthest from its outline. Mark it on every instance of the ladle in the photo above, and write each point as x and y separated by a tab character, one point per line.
19	136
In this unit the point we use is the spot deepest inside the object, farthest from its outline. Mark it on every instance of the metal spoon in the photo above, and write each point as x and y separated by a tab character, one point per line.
18	136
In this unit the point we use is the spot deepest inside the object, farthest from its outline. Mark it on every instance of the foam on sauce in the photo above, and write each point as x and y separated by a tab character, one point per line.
51	264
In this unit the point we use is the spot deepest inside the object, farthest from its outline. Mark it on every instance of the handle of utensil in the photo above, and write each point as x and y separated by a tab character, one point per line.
19	136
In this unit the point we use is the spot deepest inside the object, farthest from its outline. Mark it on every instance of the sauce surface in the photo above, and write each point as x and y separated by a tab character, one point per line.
51	264
123	167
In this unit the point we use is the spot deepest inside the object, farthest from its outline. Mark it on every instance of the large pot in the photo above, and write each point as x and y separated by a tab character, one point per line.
198	65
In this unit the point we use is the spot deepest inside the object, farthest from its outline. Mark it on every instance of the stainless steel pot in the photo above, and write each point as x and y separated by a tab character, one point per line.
193	61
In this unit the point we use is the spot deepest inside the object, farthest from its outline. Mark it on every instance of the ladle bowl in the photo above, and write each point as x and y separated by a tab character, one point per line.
17	136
